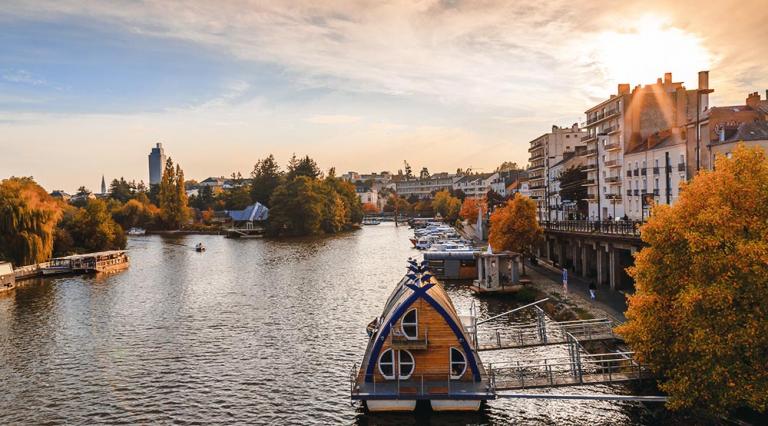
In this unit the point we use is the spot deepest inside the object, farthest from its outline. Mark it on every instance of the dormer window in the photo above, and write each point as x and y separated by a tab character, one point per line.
409	325
458	364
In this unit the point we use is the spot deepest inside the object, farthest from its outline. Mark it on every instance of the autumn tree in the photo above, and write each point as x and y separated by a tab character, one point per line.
447	206
370	208
700	309
91	228
296	208
514	226
470	208
28	217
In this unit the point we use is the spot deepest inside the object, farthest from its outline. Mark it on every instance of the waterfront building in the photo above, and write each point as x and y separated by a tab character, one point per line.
546	150
558	208
654	171
721	128
477	186
367	194
425	186
156	164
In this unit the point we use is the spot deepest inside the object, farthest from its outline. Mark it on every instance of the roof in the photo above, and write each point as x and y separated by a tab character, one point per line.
754	131
662	139
255	212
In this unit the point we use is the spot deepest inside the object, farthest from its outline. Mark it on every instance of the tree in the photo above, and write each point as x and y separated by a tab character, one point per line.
514	226
447	206
92	228
573	188
493	199
28	217
352	205
303	167
423	208
136	213
173	197
204	199
507	166
121	190
297	208
370	208
265	177
470	209
700	309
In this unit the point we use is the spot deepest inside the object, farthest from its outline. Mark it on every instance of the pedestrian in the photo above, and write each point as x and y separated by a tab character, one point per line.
565	282
592	289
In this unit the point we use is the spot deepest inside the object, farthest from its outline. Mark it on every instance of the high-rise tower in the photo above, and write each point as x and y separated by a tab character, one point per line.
156	164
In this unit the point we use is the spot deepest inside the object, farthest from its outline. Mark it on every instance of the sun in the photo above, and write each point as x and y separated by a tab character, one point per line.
647	50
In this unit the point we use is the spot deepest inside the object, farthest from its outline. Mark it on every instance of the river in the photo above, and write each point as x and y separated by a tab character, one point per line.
250	331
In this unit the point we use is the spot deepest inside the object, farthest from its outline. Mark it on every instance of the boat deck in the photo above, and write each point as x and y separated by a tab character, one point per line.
422	388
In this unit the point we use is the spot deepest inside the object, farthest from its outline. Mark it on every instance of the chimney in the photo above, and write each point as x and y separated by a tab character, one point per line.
624	89
753	100
658	80
703	80
667	78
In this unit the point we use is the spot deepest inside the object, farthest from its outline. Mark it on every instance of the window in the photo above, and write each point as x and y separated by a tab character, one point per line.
656	183
409	325
656	163
643	163
406	364
387	364
636	165
458	363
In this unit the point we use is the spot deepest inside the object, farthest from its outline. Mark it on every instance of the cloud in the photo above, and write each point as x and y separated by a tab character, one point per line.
333	119
23	77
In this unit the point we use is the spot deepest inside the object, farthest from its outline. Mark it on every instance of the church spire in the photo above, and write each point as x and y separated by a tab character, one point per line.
103	185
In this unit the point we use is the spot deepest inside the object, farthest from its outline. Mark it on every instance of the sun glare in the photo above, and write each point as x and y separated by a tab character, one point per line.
647	50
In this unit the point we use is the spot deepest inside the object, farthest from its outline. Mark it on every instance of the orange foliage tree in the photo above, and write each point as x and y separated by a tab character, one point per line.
370	208
28	217
699	315
470	208
514	226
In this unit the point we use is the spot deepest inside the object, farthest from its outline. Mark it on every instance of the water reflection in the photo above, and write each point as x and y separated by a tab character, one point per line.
251	331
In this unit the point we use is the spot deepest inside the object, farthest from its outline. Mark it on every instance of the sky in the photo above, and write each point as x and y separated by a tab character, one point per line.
88	87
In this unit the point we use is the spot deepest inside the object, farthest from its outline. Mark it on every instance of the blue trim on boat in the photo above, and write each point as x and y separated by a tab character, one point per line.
373	359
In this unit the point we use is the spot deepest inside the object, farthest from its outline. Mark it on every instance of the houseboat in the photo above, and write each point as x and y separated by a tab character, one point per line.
498	273
58	266
7	276
452	265
104	261
419	349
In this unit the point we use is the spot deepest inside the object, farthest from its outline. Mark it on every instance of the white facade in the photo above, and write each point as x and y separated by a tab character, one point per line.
370	196
656	172
605	147
477	186
423	188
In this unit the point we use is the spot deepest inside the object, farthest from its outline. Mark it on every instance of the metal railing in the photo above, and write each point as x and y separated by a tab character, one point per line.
419	386
622	227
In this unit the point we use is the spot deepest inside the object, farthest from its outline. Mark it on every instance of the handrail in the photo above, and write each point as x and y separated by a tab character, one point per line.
513	310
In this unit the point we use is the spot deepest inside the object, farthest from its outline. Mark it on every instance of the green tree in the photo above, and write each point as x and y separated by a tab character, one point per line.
700	309
173	197
514	226
265	177
28	217
447	206
297	208
352	206
92	228
302	167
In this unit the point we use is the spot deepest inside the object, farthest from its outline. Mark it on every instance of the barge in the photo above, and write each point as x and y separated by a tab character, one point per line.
420	349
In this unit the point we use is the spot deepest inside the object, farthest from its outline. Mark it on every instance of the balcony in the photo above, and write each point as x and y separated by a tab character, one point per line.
535	146
629	192
590	166
681	167
400	341
536	167
613	179
612	146
609	129
637	192
590	182
629	173
655	170
602	116
616	197
591	152
635	172
536	157
587	137
612	163
537	186
591	197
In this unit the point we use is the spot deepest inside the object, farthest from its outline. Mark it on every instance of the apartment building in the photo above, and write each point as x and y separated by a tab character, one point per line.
477	186
546	150
559	208
424	187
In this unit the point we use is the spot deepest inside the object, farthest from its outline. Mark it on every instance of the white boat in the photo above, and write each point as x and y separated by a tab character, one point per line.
136	231
371	221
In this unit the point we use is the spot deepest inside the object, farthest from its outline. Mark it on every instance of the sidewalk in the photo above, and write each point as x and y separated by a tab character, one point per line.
549	279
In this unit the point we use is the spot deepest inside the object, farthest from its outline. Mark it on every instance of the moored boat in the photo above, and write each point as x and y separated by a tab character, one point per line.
103	261
136	231
419	349
371	221
58	266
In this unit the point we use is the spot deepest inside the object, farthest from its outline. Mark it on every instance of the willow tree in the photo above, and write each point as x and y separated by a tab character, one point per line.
28	217
700	311
514	226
